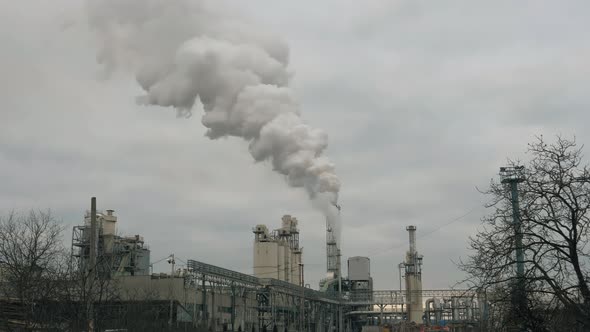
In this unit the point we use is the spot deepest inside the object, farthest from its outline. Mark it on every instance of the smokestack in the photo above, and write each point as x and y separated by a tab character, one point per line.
92	263
93	236
413	267
333	243
412	233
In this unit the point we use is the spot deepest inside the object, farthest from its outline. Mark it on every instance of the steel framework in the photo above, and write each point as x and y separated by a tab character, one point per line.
262	304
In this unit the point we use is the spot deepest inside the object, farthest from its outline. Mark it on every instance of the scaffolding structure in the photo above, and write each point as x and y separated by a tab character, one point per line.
215	298
259	303
263	304
115	255
277	254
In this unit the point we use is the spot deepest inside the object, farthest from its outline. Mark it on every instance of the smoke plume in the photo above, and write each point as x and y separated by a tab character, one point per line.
184	52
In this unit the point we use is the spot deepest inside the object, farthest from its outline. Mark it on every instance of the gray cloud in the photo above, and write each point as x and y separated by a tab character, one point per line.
422	103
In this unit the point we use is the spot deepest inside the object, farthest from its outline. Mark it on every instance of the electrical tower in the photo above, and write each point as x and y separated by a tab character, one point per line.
513	175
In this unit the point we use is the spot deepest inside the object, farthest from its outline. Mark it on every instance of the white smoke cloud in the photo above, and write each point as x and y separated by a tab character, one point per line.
184	52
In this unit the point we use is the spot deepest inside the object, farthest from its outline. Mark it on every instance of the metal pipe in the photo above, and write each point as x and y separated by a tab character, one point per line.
92	263
233	307
455	308
302	310
400	266
171	261
412	234
518	240
428	303
513	176
205	310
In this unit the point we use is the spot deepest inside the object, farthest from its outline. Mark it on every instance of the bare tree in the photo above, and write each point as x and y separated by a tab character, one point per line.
44	286
31	253
555	199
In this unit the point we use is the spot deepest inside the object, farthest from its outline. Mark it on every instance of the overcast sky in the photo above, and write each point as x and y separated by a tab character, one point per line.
422	101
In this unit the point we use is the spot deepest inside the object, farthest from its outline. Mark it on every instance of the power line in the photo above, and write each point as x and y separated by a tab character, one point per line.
450	222
372	253
159	260
385	250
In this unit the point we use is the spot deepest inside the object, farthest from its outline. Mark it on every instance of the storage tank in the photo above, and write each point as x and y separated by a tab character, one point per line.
265	260
277	255
359	268
108	223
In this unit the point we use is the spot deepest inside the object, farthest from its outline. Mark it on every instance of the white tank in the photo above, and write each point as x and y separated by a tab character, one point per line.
108	223
359	268
265	260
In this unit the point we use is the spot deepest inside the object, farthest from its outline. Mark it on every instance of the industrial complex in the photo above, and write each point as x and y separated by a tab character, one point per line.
275	297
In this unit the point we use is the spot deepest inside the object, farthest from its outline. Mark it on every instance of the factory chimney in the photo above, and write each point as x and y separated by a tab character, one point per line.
332	253
412	232
413	266
91	268
333	248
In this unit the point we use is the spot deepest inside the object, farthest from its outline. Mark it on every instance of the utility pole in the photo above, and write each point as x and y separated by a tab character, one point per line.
171	262
340	313
339	268
91	268
400	266
302	309
513	175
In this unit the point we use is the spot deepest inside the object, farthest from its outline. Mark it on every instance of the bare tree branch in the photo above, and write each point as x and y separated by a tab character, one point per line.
555	199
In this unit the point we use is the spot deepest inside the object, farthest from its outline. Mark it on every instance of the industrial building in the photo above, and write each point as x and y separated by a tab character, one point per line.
203	296
277	254
333	281
359	278
413	266
116	255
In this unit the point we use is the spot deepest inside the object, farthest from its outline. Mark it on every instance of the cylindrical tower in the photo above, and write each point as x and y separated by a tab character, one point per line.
332	247
413	266
108	223
412	232
331	252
